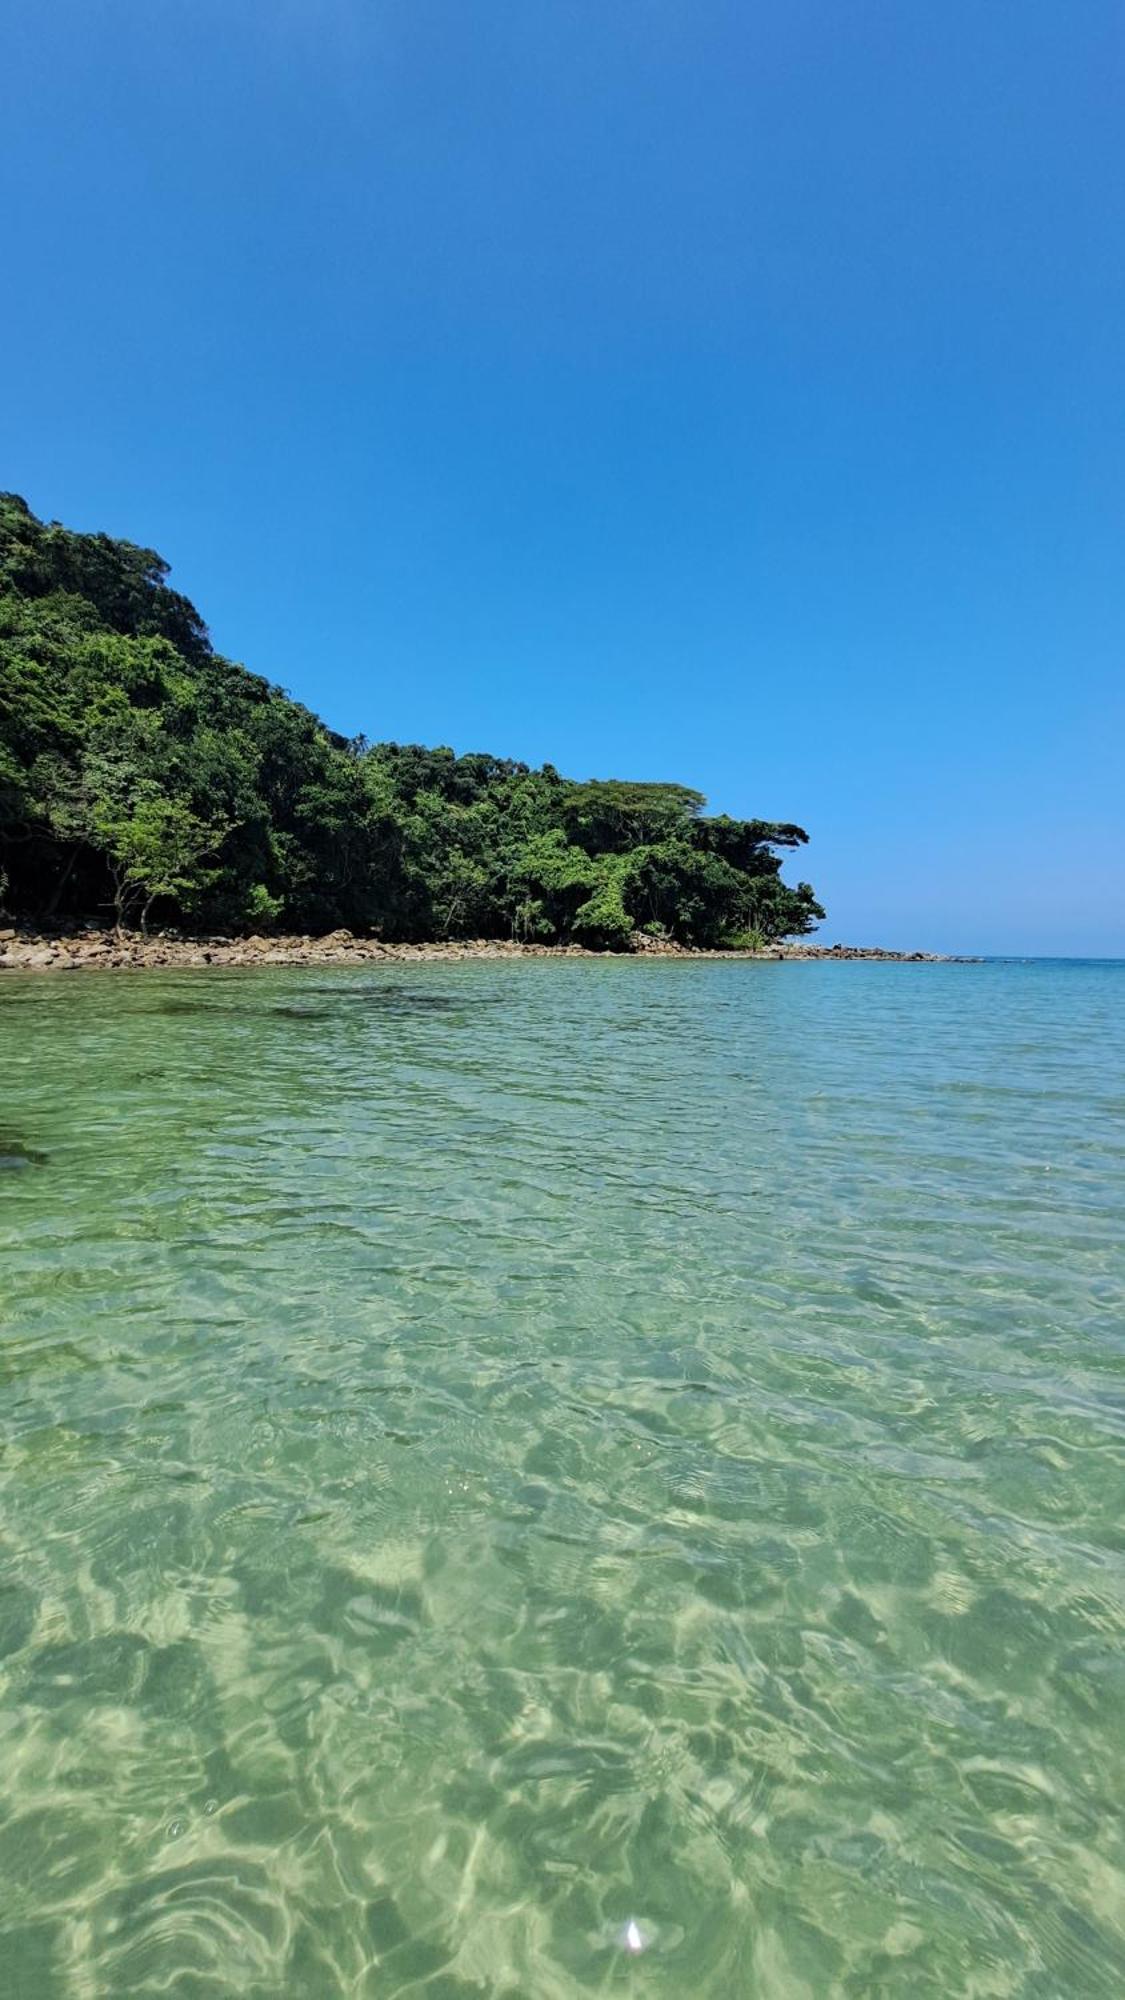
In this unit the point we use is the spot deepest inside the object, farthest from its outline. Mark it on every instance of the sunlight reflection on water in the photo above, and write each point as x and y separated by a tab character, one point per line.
537	1467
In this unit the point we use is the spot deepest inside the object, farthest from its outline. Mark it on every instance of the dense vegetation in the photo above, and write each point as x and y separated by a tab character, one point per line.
143	775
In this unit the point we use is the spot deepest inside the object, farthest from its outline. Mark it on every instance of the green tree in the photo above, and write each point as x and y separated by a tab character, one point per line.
137	765
155	847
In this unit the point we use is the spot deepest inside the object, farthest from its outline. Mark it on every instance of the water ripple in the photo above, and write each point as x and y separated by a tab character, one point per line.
508	1461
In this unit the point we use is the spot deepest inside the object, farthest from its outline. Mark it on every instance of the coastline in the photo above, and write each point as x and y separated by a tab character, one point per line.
23	949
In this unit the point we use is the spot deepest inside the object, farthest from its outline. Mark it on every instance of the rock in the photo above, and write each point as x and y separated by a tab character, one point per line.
75	947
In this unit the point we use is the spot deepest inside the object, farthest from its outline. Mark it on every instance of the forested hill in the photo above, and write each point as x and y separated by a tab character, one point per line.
144	777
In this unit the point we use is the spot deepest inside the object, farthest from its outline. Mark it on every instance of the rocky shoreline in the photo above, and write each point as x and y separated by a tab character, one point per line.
83	949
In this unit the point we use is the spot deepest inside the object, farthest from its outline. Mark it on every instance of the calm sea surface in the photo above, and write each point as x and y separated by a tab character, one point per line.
495	1454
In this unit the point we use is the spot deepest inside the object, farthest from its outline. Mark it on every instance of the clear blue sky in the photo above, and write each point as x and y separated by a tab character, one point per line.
665	388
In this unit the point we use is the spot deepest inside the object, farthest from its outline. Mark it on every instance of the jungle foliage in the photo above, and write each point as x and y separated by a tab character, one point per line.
145	777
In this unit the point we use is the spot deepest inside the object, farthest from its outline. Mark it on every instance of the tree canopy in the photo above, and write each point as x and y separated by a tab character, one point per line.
142	775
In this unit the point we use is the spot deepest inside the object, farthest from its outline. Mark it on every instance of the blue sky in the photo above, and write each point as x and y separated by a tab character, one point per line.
724	392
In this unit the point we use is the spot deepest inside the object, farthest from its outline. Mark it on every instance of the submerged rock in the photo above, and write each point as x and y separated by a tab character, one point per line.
14	1155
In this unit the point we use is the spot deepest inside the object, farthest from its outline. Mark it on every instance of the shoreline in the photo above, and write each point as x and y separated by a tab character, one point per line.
23	949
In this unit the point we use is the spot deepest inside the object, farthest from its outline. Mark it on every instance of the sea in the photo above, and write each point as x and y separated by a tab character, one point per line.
543	1478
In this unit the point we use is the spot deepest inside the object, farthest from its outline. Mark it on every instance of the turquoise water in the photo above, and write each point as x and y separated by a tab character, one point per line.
491	1453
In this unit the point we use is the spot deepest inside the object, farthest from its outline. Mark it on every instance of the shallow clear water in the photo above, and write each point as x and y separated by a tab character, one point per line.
492	1452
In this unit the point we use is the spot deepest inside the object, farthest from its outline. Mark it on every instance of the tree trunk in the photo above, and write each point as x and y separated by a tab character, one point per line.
60	885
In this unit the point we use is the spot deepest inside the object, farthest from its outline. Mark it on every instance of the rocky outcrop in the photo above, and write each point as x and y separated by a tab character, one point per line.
78	949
